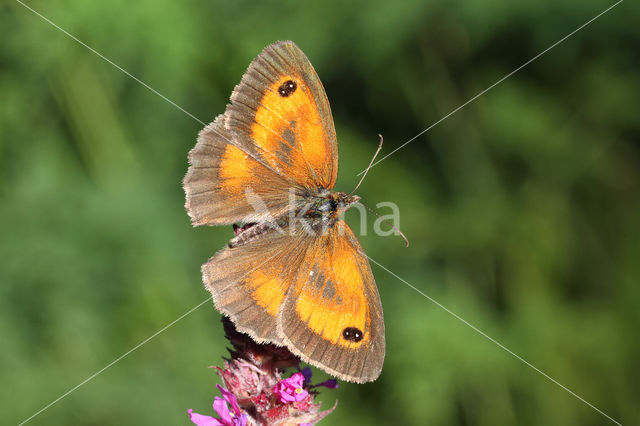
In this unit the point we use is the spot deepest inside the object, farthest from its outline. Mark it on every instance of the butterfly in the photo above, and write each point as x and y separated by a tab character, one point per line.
295	275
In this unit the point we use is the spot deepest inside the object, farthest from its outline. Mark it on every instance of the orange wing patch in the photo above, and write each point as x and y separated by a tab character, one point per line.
267	290
241	177
235	170
333	298
287	123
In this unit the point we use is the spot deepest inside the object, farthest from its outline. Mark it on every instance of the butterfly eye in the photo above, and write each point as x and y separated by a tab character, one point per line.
352	334
287	88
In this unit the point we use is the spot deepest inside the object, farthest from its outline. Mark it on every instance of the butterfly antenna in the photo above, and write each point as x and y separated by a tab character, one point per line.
392	227
369	166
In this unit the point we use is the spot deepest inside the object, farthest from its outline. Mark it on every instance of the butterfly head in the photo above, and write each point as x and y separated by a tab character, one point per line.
344	201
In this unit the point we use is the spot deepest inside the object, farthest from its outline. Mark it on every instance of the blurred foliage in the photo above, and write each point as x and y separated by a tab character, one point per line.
523	208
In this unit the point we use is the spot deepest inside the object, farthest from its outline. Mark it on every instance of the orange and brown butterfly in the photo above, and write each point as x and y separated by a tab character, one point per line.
295	275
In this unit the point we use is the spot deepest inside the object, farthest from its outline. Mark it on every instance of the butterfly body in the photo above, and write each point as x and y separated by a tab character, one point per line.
328	208
295	274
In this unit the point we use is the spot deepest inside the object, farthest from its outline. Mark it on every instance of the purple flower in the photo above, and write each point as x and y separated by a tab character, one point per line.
330	384
233	417
254	392
201	420
306	372
291	390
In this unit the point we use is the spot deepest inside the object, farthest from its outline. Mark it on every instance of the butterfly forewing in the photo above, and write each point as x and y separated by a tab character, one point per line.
281	113
332	315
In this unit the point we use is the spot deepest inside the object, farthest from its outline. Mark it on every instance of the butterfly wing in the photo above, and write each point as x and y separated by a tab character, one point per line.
331	316
248	283
313	294
271	148
226	184
280	113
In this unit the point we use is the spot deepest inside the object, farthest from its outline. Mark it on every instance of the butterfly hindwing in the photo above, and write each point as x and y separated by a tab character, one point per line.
225	184
249	282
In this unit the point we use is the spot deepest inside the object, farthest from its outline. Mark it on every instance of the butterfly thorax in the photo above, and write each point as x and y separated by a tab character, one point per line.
317	215
327	207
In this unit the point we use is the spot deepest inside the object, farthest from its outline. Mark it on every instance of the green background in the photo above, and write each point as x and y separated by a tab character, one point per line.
523	208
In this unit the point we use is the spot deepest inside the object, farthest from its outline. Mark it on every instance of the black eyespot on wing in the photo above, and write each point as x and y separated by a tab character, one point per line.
352	334
287	88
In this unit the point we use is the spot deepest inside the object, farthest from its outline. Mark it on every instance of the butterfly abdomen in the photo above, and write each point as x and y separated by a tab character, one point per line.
321	213
252	231
248	233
